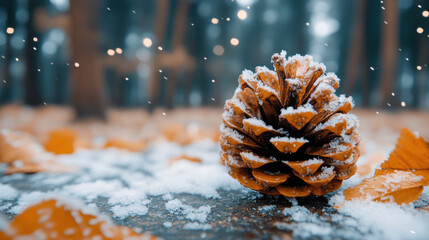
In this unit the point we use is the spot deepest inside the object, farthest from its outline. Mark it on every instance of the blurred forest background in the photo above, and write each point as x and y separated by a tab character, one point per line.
94	54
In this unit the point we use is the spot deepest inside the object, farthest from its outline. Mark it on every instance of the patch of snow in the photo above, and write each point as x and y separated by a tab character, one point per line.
197	226
200	214
267	208
7	192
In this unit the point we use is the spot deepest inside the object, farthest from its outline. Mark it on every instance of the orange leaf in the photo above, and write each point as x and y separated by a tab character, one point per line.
401	177
402	196
183	157
136	146
23	154
411	153
402	186
61	141
51	219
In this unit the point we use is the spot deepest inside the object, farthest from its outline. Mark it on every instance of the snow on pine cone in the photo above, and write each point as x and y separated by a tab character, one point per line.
286	132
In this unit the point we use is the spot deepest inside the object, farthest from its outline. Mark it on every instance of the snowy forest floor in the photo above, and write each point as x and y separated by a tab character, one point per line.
189	200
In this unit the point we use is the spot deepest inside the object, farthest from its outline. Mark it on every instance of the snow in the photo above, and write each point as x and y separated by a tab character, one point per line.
197	226
128	180
288	139
194	214
301	109
7	192
391	220
326	172
312	162
267	208
248	75
122	211
226	131
167	224
257	122
255	158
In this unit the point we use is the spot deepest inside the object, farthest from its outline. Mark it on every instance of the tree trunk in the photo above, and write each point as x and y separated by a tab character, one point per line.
87	82
32	93
389	50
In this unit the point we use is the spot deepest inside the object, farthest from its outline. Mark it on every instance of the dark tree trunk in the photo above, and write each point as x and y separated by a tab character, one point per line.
32	93
87	79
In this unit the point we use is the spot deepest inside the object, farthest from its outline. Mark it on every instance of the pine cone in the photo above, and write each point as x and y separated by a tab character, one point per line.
287	132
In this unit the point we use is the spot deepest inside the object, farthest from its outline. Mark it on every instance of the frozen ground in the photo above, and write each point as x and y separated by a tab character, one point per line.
188	200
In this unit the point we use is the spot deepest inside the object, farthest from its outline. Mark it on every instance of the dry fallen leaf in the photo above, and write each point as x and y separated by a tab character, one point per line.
410	153
61	141
23	154
388	187
52	219
136	146
183	157
401	177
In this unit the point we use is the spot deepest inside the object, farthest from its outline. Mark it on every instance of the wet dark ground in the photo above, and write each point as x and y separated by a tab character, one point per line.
235	215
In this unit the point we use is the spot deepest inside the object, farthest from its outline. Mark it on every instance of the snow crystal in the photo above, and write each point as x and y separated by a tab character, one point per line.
300	214
257	122
255	158
195	214
238	103
226	131
247	75
267	208
301	109
126	196
263	69
167	224
197	226
288	139
271	90
341	100
337	118
391	220
92	190
326	173
123	211
7	192
312	161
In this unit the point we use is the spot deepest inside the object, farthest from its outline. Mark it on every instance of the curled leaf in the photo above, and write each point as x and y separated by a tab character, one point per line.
401	177
398	186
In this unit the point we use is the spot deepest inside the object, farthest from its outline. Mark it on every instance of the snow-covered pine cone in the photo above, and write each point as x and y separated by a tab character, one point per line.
286	132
